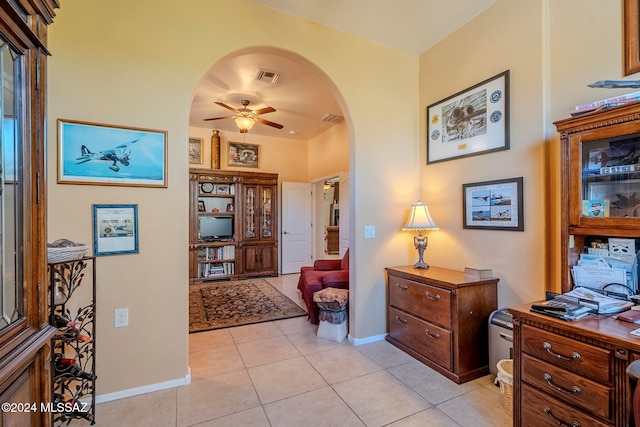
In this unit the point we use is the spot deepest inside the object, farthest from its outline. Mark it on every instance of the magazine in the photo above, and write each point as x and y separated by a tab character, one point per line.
603	304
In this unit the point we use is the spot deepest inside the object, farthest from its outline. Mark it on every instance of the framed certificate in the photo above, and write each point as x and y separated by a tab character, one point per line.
115	229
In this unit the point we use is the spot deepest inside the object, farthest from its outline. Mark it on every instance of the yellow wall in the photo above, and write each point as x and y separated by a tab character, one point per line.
329	153
493	42
137	64
286	157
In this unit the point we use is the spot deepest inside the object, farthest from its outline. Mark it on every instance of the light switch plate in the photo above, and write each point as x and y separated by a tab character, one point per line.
369	231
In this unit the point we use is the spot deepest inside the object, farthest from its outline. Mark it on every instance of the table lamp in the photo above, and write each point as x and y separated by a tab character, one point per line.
420	219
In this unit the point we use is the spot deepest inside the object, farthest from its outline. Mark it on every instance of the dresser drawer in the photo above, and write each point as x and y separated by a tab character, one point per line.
428	302
573	388
541	410
427	339
576	356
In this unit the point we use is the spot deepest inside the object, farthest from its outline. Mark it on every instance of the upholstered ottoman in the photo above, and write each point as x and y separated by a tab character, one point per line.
332	303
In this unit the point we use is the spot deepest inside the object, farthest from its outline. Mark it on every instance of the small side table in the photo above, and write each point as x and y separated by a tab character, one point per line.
332	303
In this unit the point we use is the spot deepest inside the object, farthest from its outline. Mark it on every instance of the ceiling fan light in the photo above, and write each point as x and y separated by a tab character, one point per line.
244	123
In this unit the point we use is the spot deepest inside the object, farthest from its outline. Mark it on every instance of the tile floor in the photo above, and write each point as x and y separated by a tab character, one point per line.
280	374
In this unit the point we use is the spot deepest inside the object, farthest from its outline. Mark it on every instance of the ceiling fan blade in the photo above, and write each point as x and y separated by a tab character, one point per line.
268	123
219	118
226	106
264	110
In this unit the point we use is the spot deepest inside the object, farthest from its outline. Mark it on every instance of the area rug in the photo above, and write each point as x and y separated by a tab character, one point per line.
240	302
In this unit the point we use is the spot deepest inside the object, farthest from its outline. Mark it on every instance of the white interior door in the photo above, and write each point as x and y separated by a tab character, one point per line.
296	226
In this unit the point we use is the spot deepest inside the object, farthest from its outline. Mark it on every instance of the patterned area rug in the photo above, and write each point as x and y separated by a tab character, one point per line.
242	302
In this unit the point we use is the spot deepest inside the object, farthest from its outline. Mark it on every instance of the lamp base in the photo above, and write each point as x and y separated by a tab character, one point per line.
421	264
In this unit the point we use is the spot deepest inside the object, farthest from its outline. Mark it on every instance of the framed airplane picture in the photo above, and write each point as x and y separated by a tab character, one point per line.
101	154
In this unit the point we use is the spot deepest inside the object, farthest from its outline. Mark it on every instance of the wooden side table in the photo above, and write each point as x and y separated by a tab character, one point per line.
441	317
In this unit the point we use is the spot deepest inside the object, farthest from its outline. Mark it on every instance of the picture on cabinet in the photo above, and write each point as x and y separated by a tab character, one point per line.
100	154
195	151
201	207
471	122
246	155
493	205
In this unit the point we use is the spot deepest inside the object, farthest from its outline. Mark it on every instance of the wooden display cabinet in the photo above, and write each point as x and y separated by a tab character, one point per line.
258	240
232	228
25	333
600	170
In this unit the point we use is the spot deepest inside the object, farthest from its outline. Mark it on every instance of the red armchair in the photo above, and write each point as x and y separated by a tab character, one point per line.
325	273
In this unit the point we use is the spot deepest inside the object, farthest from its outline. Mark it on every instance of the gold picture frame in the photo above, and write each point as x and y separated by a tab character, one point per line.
196	146
631	37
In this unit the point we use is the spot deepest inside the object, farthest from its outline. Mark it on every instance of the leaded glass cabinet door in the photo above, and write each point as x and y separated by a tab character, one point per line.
266	213
250	222
11	188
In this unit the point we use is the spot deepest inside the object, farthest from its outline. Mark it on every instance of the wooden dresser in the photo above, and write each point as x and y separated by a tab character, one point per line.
440	317
572	373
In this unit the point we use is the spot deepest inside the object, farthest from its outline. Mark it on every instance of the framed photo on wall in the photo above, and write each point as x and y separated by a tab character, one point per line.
471	122
195	151
246	155
493	205
100	154
631	37
115	229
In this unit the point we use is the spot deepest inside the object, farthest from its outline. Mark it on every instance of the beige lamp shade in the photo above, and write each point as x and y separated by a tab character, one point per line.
420	219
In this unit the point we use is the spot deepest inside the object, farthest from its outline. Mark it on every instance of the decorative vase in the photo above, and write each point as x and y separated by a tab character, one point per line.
215	149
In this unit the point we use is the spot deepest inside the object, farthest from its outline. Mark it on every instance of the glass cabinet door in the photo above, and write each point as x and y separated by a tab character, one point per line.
610	178
11	188
250	212
266	223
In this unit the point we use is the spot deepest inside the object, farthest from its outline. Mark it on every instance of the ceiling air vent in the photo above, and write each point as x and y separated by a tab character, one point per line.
267	76
332	118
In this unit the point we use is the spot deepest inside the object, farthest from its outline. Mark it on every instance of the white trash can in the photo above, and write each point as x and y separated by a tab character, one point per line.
505	377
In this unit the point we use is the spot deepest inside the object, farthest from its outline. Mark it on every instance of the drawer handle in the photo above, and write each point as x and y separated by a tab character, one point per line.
401	287
558	422
401	320
428	295
574	390
574	356
426	331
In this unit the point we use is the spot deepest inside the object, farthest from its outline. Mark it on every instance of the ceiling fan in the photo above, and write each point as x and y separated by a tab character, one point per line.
246	118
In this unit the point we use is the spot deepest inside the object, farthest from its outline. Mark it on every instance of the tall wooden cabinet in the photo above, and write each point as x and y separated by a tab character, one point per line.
25	346
573	373
600	173
233	224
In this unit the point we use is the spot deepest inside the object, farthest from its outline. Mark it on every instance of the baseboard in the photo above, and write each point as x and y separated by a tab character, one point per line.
367	340
122	394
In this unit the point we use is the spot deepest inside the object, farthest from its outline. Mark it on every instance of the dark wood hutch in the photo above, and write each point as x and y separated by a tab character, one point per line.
25	348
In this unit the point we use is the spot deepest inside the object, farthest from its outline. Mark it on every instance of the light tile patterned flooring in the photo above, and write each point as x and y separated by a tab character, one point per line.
278	374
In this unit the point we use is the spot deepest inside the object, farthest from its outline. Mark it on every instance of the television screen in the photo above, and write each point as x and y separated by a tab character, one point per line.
215	227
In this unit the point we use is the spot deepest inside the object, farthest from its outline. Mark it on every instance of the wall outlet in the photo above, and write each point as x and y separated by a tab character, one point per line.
121	317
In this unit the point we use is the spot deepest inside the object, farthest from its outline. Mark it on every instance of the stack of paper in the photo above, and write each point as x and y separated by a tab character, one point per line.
603	272
603	304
